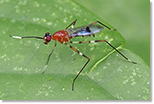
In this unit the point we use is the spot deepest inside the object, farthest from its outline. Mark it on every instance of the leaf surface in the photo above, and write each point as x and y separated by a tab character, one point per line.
106	77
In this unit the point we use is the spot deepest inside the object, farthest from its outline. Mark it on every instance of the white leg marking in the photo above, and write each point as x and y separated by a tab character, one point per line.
80	53
75	42
93	41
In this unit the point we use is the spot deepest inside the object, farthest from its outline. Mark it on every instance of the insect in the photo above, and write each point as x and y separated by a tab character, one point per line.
64	36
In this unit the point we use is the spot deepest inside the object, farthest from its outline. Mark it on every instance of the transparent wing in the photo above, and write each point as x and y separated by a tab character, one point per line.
85	31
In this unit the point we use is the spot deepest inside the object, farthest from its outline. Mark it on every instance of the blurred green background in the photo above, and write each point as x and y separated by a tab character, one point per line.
130	17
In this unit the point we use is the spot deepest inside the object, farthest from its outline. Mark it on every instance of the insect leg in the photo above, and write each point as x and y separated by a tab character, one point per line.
49	58
101	24
108	44
73	23
82	67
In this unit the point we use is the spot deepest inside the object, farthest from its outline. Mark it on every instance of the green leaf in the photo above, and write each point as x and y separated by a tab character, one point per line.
127	16
108	76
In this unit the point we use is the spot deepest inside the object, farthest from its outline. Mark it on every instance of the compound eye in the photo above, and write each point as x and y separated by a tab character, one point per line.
47	38
47	34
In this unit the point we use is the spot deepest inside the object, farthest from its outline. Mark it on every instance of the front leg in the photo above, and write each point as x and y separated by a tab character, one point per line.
45	67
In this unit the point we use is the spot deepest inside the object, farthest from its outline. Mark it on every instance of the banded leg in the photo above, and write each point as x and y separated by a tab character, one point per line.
82	67
101	24
49	58
108	44
73	23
